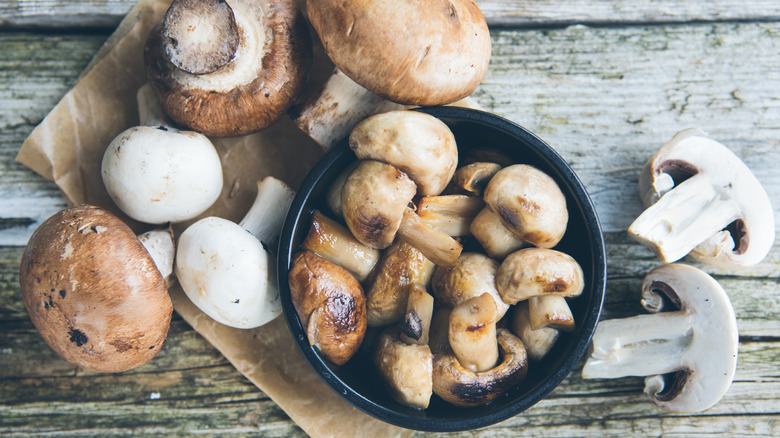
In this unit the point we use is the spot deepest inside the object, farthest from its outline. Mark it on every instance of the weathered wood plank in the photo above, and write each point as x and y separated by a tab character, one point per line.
515	13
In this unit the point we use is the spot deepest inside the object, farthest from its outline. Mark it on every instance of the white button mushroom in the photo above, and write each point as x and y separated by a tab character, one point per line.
533	272
703	200
159	174
225	268
697	342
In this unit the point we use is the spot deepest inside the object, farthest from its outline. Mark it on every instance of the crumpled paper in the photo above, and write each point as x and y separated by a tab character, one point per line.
67	147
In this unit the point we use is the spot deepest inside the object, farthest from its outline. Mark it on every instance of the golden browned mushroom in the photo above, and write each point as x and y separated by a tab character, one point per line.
451	214
538	342
550	311
93	291
496	239
228	68
472	275
473	333
461	387
532	272
416	323
472	178
439	335
407	369
330	303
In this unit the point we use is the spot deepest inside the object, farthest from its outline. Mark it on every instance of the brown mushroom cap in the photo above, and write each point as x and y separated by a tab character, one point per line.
419	53
93	291
253	89
330	304
530	204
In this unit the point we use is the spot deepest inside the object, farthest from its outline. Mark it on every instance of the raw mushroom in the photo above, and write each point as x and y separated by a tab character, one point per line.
689	354
538	342
529	203
442	57
532	272
703	200
228	68
93	291
226	269
407	369
472	333
162	247
419	144
330	304
472	275
461	387
159	174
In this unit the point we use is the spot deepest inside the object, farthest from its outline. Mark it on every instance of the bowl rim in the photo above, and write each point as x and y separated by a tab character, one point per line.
595	237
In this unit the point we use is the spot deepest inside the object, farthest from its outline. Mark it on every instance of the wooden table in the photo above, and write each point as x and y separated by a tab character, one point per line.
606	83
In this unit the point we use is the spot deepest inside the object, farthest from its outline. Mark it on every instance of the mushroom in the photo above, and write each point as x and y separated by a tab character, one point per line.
439	333
472	275
533	272
331	240
451	214
689	354
416	323
330	304
375	200
529	203
228	68
472	178
401	265
226	269
419	144
407	369
538	342
161	246
159	174
496	239
550	311
472	333
462	387
703	200
442	57
93	291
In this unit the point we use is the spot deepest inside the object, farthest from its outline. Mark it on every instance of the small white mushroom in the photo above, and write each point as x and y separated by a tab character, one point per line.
416	324
473	333
694	347
550	311
472	275
407	369
159	174
225	268
703	200
538	342
533	272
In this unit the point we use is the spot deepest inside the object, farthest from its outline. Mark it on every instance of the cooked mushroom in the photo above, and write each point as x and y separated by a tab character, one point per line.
442	58
550	311
529	203
461	387
159	174
532	272
419	144
703	200
473	333
689	353
439	335
407	369
472	275
333	197
496	239
472	178
331	305
451	214
401	265
416	323
93	291
538	342
226	269
331	240
436	245
228	68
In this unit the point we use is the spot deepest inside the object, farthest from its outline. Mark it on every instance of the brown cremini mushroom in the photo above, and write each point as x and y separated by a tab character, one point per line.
228	68
330	303
93	291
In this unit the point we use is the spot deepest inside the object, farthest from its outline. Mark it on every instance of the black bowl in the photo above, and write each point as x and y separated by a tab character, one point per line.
358	382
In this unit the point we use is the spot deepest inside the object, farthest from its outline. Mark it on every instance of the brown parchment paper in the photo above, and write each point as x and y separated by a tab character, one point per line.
67	147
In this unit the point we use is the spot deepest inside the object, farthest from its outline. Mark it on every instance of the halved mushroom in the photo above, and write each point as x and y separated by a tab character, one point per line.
550	311
529	203
703	200
228	68
157	173
331	240
690	353
93	292
472	178
451	214
533	272
538	342
401	265
226	269
439	335
416	323
472	275
462	387
473	333
407	369
331	305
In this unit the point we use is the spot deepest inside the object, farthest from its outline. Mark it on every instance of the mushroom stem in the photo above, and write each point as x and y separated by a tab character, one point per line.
436	245
641	345
160	246
150	112
451	214
684	218
266	215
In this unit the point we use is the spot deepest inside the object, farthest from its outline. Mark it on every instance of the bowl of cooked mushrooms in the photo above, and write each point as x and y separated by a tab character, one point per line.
442	268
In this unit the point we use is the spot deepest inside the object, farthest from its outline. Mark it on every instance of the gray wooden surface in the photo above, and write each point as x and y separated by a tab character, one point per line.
605	83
